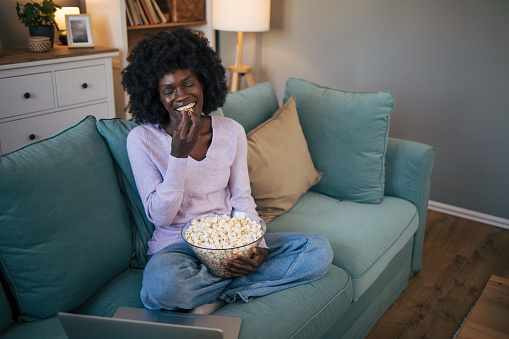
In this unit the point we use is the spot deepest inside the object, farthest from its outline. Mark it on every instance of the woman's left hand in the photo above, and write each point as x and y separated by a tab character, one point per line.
245	265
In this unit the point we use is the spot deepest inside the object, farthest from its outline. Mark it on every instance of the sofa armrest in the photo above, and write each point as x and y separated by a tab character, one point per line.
408	167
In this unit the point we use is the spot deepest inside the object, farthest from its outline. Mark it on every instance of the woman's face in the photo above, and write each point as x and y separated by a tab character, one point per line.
181	90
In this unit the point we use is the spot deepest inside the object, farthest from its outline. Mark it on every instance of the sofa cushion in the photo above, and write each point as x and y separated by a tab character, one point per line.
115	132
280	167
364	237
251	106
64	227
44	329
304	311
123	291
218	112
347	138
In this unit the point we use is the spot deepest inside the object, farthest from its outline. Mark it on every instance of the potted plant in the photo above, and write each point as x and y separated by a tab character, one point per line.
39	18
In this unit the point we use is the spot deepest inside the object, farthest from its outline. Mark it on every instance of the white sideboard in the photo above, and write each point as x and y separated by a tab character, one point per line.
43	93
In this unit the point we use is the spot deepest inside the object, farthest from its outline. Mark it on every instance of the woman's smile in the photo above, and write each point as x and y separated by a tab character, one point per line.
179	92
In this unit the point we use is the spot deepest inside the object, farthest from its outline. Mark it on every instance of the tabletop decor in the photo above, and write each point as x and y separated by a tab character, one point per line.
38	44
79	30
39	18
60	19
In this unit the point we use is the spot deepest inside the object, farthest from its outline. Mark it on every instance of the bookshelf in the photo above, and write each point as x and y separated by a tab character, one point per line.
168	24
110	28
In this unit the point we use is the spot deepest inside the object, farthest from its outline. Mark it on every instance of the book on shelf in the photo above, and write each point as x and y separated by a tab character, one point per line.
136	13
144	12
131	8
152	12
144	7
159	12
143	17
129	18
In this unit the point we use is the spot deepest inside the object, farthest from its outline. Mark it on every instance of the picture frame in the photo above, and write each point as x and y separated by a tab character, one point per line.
79	31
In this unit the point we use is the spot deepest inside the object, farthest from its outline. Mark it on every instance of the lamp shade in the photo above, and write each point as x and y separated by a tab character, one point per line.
241	15
60	15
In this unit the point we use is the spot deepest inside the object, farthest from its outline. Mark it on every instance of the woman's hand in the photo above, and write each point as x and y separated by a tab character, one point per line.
185	135
245	265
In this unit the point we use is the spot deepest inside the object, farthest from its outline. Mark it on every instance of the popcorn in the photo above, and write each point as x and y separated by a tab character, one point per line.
216	238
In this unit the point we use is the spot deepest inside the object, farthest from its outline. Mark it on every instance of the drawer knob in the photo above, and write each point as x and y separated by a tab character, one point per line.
84	85
31	137
26	95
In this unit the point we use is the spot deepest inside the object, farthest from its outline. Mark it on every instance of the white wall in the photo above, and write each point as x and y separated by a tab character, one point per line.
446	61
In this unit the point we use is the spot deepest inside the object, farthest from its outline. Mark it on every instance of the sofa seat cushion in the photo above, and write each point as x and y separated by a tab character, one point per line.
123	291
64	226
304	311
364	237
44	329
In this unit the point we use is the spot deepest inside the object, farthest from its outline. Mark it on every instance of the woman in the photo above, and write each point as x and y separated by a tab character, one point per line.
186	164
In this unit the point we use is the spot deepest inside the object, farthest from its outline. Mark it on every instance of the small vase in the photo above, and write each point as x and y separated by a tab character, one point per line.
46	30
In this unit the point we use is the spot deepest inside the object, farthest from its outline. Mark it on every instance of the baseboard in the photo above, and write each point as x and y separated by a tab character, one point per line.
468	214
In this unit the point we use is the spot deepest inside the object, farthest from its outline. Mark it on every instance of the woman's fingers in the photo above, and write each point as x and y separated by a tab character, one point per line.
186	134
195	127
246	265
189	127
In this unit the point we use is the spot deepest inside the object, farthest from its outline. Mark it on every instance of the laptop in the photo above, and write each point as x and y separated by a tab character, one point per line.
139	323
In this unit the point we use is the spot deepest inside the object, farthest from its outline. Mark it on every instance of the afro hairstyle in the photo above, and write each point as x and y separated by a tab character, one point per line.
168	51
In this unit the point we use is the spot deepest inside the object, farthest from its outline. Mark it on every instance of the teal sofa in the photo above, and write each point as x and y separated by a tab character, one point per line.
73	232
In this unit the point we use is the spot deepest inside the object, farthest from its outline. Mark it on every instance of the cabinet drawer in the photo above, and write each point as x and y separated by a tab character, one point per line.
81	85
18	133
26	94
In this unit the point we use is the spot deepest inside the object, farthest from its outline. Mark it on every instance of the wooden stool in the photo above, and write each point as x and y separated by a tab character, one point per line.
236	77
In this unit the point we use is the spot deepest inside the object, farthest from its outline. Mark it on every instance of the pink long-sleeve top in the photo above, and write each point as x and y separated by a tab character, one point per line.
176	190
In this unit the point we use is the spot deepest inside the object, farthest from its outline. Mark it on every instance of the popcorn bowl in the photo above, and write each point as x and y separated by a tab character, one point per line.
212	257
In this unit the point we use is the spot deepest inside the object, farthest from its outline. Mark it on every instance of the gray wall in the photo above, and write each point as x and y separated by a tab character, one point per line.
446	61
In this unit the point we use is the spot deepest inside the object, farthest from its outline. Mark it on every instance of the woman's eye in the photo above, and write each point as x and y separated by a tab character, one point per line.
191	84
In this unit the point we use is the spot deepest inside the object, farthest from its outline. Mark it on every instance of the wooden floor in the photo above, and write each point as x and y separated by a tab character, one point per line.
459	256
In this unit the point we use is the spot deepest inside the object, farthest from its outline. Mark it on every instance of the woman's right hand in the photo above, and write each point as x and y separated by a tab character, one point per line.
185	135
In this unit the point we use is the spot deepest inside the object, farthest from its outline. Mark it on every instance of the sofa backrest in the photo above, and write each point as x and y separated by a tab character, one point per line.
251	106
115	132
64	226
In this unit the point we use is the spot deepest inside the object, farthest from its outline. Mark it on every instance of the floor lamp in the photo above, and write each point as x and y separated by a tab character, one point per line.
240	16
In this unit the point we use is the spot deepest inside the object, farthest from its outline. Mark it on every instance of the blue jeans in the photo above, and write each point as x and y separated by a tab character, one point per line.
175	279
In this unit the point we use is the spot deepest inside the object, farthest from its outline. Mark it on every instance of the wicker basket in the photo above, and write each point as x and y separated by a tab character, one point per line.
39	44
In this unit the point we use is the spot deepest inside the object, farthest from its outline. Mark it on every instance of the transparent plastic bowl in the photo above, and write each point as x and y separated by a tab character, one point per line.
213	258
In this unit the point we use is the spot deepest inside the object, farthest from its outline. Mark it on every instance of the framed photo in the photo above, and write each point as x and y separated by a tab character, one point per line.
79	32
